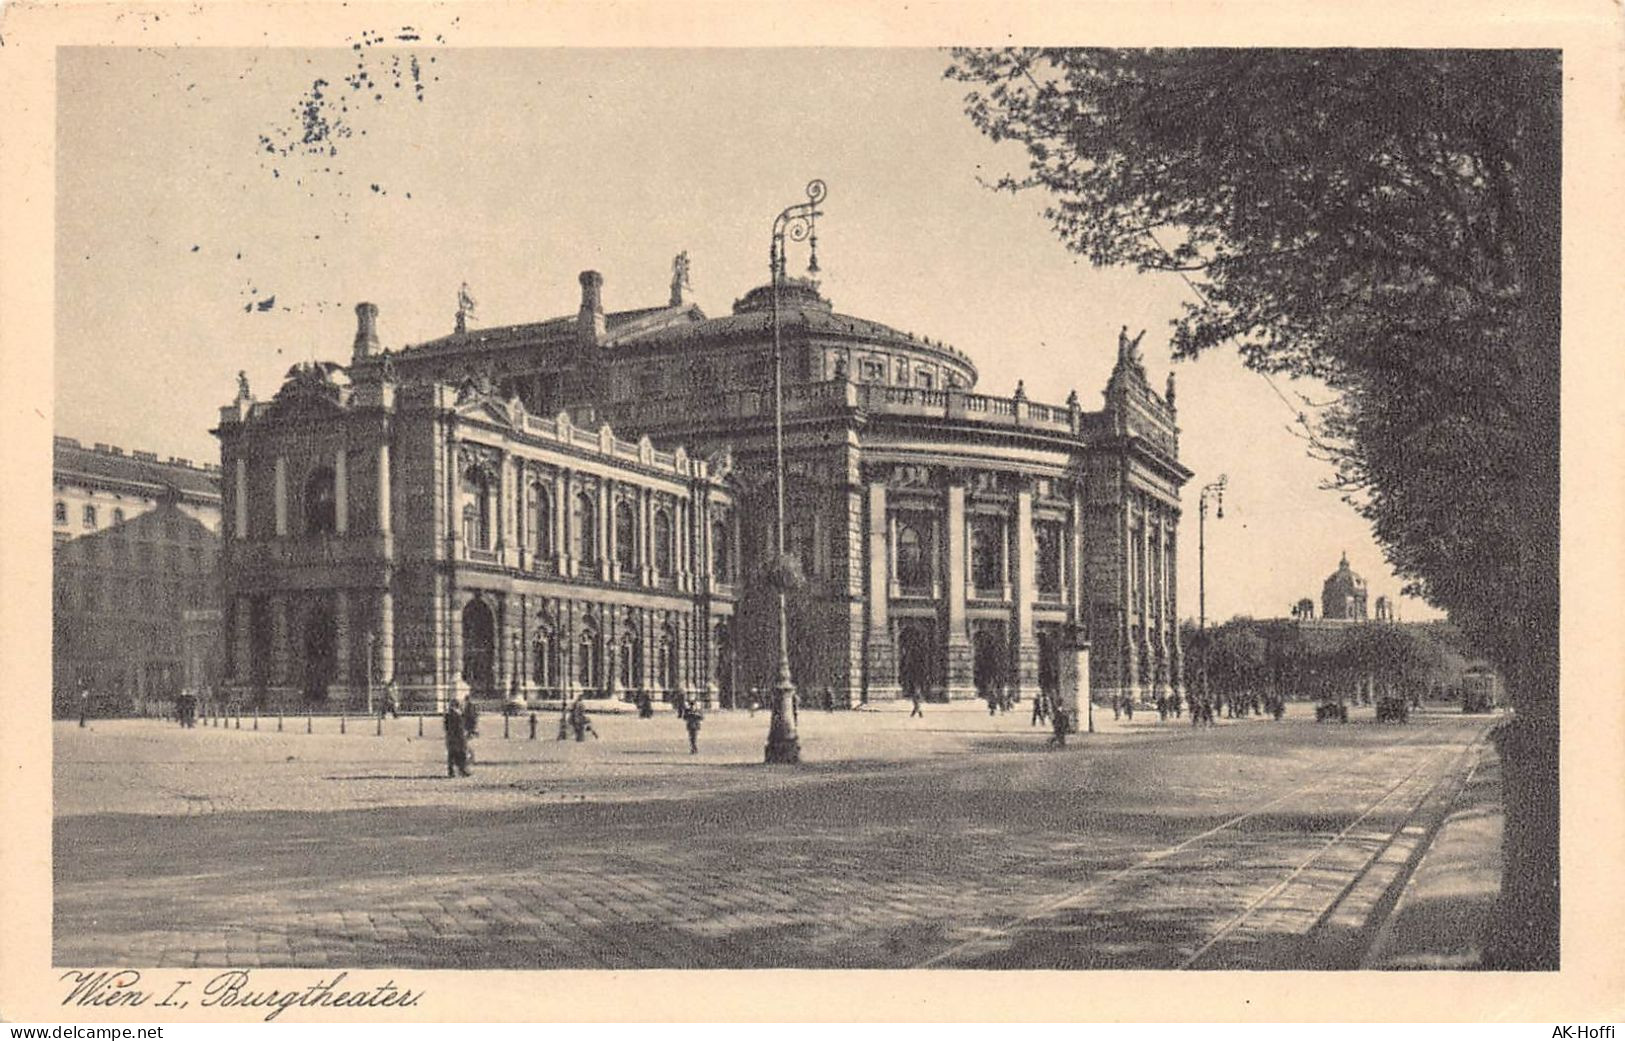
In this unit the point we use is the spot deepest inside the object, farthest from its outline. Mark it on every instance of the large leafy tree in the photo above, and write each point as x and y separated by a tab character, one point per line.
1386	222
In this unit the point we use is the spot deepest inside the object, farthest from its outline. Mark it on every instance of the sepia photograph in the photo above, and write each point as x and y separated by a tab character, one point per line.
468	462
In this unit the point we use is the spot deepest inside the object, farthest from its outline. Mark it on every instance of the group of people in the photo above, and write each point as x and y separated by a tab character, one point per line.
1204	710
461	724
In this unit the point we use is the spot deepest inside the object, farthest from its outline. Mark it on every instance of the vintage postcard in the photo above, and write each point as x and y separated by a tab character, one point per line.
542	497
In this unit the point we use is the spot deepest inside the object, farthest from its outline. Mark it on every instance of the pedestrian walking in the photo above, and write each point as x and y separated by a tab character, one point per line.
579	723
914	696
1062	722
1040	709
752	702
456	741
692	717
471	719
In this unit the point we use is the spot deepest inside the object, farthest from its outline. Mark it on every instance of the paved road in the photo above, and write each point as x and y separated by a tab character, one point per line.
955	841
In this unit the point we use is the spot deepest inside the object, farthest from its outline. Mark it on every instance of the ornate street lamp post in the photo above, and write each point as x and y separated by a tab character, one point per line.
1215	491
797	223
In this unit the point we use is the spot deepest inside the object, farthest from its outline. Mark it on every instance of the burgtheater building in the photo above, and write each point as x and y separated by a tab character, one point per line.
585	504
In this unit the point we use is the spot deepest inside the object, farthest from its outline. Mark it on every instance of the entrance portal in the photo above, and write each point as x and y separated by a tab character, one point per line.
479	649
321	653
916	647
991	658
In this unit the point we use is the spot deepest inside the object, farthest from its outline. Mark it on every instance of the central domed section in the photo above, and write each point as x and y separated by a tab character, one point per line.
794	294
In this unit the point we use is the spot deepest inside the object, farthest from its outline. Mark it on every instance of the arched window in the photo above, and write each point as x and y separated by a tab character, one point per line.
667	662
913	563
543	658
584	530
1049	558
721	552
541	521
662	542
631	663
626	537
589	656
987	556
477	509
320	503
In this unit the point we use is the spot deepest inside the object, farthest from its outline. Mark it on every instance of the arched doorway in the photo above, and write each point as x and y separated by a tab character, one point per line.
320	644
991	652
479	648
916	657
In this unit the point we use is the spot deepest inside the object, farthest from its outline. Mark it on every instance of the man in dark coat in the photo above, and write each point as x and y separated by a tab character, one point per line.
692	718
456	741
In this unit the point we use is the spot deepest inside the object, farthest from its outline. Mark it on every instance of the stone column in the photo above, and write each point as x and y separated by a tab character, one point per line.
881	653
242	660
279	640
385	643
561	522
341	642
454	641
960	673
341	492
603	530
279	496
1026	591
1129	667
1147	601
645	536
239	524
383	488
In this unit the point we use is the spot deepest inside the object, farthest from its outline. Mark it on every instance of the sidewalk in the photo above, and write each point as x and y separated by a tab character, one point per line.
1441	916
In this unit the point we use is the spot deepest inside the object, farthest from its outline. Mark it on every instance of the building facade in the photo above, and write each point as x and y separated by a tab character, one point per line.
135	542
953	543
444	541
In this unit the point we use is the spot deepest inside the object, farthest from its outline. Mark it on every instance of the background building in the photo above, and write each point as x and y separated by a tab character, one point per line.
135	544
953	543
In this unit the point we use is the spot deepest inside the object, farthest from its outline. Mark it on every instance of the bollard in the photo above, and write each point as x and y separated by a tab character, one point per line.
380	731
256	717
307	721
504	726
279	719
238	725
420	724
533	726
341	722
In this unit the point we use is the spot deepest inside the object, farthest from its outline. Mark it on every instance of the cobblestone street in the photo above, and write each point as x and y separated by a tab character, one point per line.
957	840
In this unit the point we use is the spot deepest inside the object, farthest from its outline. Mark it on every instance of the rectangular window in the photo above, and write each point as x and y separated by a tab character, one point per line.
60	515
90	516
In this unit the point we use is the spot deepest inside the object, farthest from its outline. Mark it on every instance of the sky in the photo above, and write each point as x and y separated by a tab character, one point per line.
201	230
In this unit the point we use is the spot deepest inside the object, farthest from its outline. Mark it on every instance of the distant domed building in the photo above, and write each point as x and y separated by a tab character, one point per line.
1343	596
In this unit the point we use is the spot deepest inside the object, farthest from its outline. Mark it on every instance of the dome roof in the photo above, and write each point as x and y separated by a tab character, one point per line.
1344	579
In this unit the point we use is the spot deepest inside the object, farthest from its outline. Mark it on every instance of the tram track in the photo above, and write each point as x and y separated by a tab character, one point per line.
987	942
1316	932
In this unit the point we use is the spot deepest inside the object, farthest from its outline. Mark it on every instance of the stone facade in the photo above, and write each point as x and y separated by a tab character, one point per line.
135	540
443	540
953	543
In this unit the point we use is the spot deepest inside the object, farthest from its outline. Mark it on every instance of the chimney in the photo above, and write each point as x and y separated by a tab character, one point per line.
590	321
366	330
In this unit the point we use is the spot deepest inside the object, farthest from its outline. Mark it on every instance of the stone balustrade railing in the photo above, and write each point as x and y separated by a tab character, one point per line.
833	396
